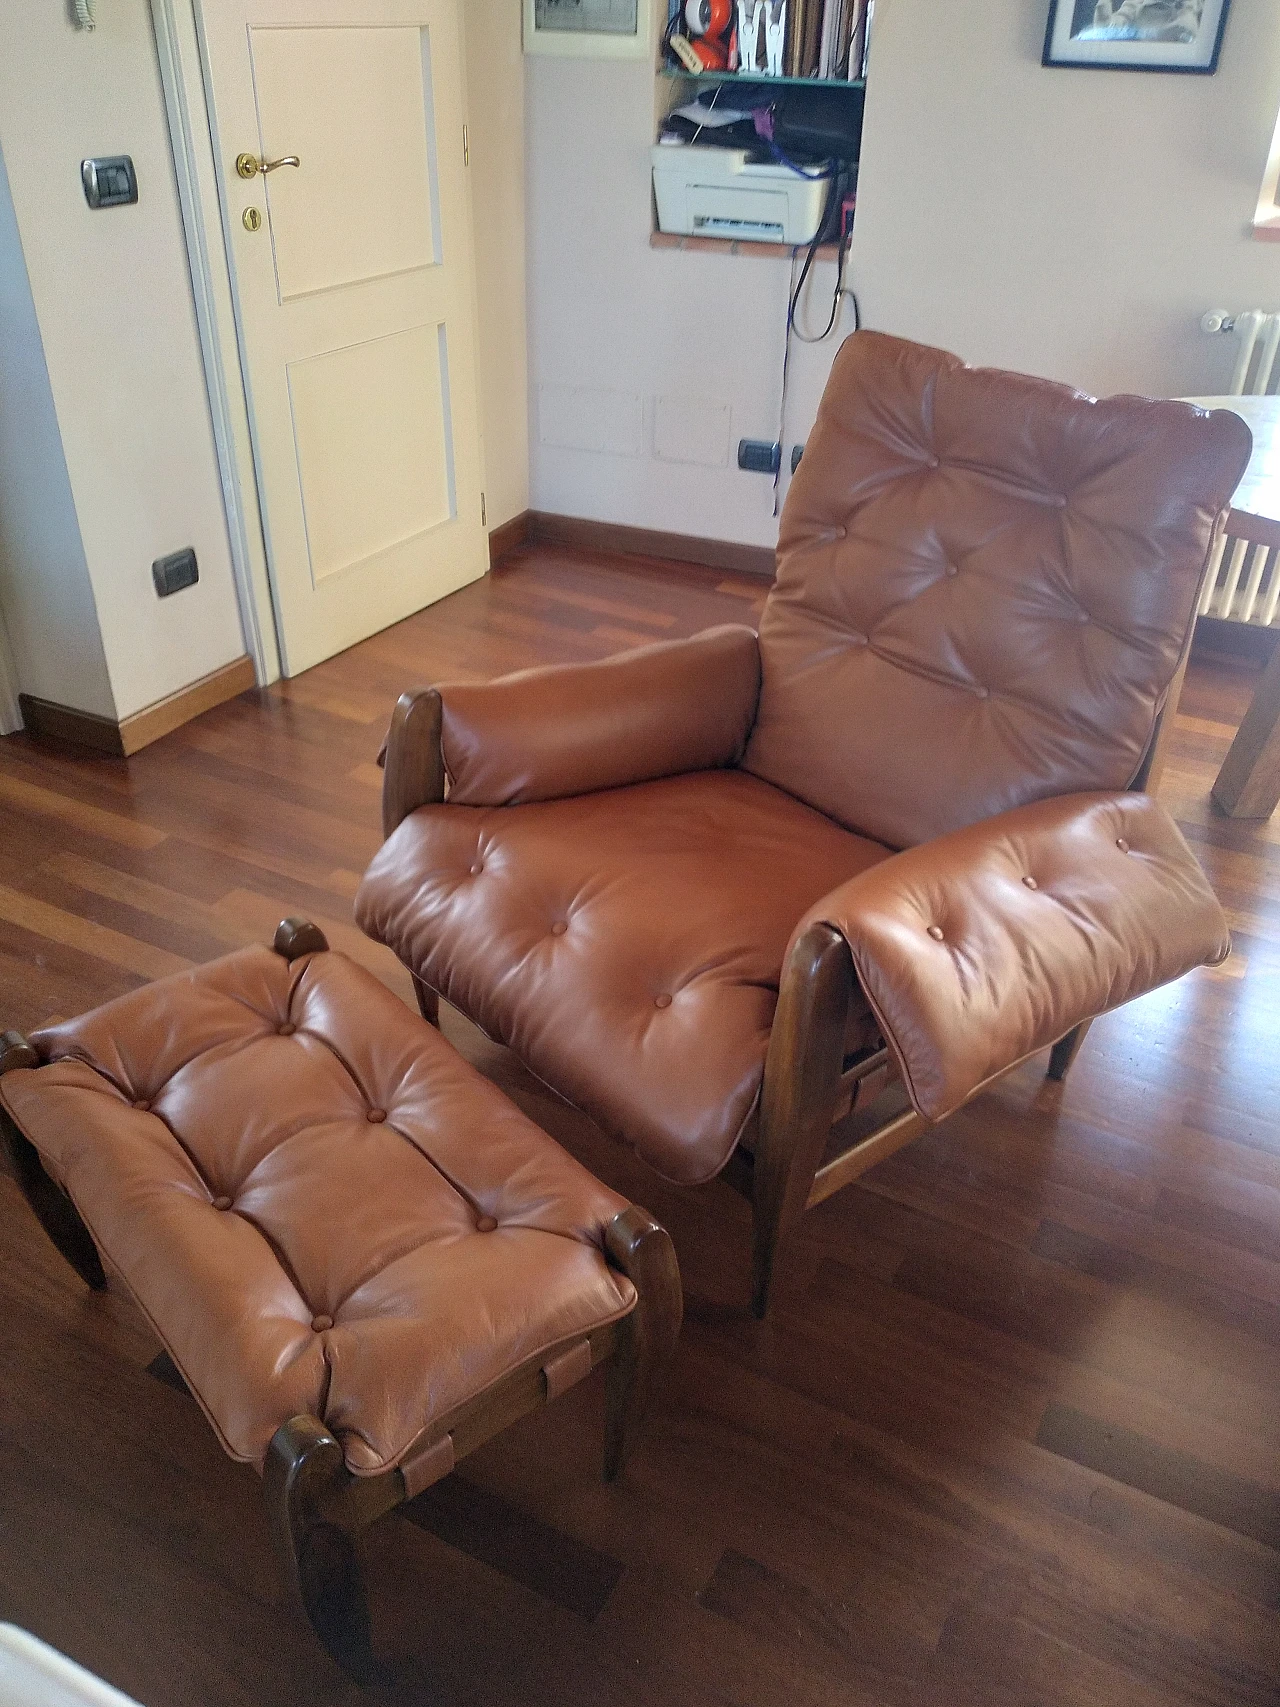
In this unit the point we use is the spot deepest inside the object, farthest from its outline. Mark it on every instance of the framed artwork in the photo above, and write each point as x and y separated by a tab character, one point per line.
1135	35
590	29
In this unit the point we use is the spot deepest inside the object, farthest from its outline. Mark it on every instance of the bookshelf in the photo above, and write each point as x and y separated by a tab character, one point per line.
678	74
837	99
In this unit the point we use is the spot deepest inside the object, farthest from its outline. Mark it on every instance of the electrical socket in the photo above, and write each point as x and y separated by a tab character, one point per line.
759	456
171	574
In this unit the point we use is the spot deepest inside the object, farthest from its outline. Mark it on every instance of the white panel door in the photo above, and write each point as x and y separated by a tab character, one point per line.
355	299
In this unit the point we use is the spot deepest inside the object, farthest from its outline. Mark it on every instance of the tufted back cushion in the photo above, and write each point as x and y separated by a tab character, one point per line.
985	583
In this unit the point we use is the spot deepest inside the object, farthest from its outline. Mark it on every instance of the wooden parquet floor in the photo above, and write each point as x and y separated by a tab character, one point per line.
1010	1438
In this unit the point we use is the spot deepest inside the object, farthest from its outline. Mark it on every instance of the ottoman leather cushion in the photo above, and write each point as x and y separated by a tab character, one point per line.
365	1228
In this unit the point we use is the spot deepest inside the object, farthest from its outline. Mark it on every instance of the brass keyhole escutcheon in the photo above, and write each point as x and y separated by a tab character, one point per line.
252	219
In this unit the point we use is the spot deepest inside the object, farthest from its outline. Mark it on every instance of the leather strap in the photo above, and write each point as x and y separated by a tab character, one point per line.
427	1464
566	1370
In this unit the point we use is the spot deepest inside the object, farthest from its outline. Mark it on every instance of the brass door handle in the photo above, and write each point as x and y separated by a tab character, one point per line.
248	165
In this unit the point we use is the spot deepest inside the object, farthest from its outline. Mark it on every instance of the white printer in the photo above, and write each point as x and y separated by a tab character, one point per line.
714	192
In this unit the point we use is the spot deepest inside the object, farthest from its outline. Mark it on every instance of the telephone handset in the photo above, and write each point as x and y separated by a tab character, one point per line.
84	14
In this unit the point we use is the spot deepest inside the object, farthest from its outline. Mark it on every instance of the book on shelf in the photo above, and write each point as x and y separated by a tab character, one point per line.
827	39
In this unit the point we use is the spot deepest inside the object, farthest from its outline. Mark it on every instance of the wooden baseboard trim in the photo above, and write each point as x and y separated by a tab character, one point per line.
166	715
609	539
1215	638
49	721
509	537
42	717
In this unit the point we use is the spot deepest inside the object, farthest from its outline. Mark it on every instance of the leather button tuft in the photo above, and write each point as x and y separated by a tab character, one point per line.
221	1203
935	462
142	1106
951	569
286	1030
936	932
559	928
1031	883
376	1116
486	1224
476	869
983	693
1122	844
662	1001
322	1324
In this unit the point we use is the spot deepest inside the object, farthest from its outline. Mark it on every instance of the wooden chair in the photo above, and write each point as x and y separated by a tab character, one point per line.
774	904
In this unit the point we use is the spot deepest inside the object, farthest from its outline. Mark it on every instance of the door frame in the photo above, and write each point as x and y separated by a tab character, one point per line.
10	713
187	102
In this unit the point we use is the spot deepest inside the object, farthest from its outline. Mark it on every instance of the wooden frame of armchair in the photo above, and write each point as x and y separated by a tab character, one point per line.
809	1086
882	695
316	1507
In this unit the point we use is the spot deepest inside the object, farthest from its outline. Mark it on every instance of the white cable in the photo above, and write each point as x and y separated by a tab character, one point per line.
84	14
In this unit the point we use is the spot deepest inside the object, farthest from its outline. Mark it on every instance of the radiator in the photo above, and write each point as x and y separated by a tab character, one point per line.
1243	583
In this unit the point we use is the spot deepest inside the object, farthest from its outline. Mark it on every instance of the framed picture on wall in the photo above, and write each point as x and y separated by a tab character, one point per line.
590	29
1136	35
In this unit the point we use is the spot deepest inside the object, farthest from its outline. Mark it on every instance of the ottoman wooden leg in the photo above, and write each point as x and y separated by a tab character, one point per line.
642	1249
50	1204
1063	1054
296	937
317	1509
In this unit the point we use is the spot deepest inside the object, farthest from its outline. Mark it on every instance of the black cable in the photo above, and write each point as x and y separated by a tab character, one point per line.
841	290
673	25
846	237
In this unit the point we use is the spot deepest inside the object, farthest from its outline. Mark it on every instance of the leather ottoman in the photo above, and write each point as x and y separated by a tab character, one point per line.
361	1257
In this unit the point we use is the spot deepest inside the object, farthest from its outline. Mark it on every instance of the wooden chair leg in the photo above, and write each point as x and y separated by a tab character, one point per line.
428	1001
1064	1052
305	1481
49	1203
801	1089
643	1251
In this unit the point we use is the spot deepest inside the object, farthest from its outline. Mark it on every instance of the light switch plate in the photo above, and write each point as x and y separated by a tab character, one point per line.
109	181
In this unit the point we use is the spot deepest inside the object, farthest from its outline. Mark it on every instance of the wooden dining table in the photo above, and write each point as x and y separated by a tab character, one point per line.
1248	785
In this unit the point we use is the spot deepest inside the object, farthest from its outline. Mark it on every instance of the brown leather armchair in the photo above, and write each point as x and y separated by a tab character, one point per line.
718	891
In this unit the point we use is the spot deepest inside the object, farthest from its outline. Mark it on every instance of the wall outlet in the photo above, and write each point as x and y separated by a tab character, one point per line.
171	574
759	456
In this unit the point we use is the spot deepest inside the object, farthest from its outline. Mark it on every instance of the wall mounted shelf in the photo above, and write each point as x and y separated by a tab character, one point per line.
730	246
758	79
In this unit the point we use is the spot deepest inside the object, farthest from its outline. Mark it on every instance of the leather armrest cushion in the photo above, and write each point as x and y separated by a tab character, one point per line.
681	705
979	948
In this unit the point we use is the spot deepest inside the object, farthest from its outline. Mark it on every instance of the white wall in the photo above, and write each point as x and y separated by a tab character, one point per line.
1069	223
609	314
496	115
54	650
113	297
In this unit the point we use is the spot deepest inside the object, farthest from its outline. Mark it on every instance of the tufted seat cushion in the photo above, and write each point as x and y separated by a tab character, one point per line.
628	945
985	582
318	1204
